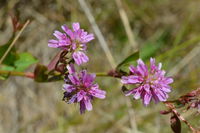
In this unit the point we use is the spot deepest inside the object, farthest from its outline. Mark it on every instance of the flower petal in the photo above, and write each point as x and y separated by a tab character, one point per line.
73	99
80	95
74	79
131	79
65	28
80	58
82	107
142	68
68	87
88	104
96	92
76	26
71	68
53	43
59	35
88	79
147	99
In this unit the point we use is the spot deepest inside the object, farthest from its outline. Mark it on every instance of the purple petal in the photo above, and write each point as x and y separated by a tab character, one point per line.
80	95
80	58
147	99
88	104
59	35
76	26
131	79
152	64
68	87
53	43
70	33
73	99
82	107
166	89
63	43
74	79
133	70
65	28
88	38
147	88
88	79
142	68
71	68
161	95
96	92
168	80
137	94
130	92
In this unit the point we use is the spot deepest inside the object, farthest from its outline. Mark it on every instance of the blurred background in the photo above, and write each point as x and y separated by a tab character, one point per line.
168	30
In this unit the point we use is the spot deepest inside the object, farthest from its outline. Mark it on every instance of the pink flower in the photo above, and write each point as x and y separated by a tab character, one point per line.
79	88
149	84
73	41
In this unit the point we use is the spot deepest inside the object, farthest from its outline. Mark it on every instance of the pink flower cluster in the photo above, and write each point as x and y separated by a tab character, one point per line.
149	84
79	88
73	41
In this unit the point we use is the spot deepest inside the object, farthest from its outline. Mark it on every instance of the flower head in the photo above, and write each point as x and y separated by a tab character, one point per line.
73	41
150	84
79	88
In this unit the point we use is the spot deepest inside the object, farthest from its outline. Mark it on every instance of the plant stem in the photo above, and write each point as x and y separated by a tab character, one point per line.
15	73
171	106
102	75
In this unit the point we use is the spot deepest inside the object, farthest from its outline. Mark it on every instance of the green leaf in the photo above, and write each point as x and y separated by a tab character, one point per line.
24	61
41	73
150	48
128	61
11	56
7	68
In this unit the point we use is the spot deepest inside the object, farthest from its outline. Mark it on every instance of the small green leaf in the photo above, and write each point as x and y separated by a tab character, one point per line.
128	61
24	61
149	50
7	68
11	56
41	73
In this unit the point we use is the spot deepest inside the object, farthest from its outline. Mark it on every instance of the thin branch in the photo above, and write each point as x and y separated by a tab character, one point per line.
14	41
97	31
15	73
171	106
126	24
102	75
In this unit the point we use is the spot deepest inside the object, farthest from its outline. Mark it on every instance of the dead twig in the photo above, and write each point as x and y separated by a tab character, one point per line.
126	24
13	42
172	108
97	31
